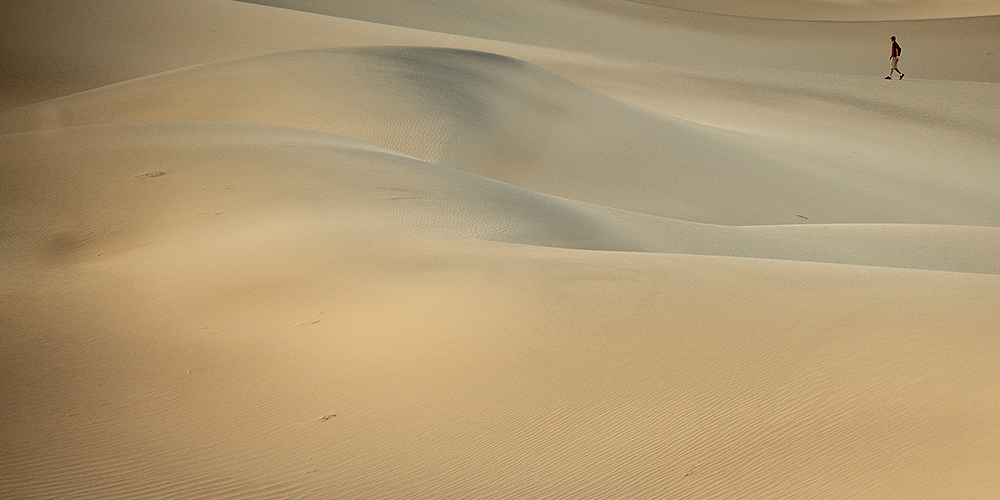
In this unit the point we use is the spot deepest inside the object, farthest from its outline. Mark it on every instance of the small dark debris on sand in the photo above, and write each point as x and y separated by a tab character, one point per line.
148	175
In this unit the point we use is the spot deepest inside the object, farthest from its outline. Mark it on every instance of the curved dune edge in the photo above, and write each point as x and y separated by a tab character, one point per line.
146	181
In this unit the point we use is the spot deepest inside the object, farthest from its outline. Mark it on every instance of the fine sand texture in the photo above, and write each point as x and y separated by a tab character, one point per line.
499	249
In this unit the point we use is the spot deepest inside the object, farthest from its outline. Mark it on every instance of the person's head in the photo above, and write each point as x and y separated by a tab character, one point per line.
893	38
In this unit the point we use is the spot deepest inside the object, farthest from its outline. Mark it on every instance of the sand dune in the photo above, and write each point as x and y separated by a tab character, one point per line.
634	30
510	121
519	249
841	10
48	52
360	187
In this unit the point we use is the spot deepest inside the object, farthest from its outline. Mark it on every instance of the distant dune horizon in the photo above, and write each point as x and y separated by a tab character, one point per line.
838	10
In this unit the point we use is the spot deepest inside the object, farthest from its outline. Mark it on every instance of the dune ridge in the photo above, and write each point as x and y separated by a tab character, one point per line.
519	249
384	191
837	10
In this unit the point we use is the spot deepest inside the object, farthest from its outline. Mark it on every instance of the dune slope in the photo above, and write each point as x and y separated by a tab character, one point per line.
510	121
547	249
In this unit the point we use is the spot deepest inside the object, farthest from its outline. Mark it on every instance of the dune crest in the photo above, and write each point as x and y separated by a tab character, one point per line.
838	10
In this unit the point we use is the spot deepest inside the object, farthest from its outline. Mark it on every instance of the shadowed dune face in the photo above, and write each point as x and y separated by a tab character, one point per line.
551	249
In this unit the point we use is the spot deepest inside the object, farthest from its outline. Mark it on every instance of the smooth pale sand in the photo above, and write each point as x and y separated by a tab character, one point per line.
519	249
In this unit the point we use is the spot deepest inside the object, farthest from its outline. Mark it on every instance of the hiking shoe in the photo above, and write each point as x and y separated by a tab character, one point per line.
901	76
888	78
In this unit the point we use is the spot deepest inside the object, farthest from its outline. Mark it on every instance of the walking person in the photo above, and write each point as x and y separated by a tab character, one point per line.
894	59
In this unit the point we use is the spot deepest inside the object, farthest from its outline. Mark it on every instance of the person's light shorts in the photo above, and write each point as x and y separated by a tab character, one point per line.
893	61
